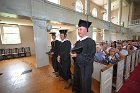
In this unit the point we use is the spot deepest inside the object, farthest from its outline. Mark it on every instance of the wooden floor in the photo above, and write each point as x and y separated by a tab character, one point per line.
40	80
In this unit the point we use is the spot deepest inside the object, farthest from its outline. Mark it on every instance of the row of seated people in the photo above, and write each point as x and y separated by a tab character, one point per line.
14	53
111	53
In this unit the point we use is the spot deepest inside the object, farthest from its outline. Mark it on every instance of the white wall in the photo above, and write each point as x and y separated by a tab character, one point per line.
113	38
125	12
27	39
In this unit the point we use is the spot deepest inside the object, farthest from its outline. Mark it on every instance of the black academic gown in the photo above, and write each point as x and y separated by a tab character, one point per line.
83	66
65	60
55	47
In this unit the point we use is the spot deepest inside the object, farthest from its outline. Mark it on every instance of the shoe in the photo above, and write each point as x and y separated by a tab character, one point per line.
61	79
92	91
68	84
56	74
1	73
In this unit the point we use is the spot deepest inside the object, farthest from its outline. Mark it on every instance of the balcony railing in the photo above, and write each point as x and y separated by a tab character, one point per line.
135	22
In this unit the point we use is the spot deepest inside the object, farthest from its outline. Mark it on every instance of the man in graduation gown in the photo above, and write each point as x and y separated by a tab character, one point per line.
54	52
83	63
64	58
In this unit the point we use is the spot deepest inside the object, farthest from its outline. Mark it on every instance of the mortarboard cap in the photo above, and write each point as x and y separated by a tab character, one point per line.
84	23
77	50
52	33
63	31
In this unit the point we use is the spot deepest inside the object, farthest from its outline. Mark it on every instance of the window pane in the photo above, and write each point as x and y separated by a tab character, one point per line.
8	29
94	12
79	6
8	39
105	16
54	1
10	35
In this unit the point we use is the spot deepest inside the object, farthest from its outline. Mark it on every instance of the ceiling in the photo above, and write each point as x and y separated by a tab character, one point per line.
114	3
23	20
26	21
100	2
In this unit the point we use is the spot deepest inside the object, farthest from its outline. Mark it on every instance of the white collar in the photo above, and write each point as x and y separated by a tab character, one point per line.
85	37
64	40
54	40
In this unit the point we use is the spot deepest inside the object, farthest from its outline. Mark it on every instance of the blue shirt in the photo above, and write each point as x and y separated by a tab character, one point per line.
99	56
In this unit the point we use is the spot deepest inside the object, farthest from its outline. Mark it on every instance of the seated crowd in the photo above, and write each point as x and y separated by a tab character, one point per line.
113	52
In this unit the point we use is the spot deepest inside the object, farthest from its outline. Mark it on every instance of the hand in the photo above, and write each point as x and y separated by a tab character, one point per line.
73	54
52	53
103	56
58	59
117	50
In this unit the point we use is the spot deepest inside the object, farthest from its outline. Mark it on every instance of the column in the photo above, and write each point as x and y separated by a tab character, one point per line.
90	31
110	35
40	39
87	7
109	19
130	12
120	12
103	31
109	10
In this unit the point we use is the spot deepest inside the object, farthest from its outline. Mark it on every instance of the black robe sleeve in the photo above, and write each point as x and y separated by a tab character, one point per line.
87	55
64	50
55	46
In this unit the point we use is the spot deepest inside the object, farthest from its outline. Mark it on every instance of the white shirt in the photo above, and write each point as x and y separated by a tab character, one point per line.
64	40
83	38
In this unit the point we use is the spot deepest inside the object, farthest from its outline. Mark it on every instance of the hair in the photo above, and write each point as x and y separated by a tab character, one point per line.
111	49
98	46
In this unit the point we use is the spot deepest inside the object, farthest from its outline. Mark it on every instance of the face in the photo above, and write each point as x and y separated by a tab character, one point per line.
62	36
130	42
119	46
98	49
105	46
112	44
53	37
82	31
112	51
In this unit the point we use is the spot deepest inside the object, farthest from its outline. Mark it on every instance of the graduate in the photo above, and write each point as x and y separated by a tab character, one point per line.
83	61
64	58
54	52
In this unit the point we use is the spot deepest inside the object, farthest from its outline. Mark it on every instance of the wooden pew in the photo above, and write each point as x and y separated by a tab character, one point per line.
139	56
103	74
118	80
136	57
127	67
132	64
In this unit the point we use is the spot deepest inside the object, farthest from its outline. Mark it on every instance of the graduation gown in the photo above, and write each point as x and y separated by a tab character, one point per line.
65	60
83	66
55	48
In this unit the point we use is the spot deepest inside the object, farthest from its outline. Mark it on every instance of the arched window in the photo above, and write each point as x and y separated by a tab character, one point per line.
94	36
94	12
55	1
79	6
105	16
